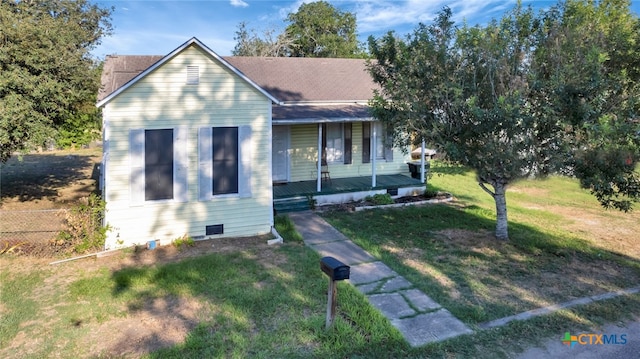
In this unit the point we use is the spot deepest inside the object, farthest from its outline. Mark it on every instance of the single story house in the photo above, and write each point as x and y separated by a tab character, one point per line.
207	146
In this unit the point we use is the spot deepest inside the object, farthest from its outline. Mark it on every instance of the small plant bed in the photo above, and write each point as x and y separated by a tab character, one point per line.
385	200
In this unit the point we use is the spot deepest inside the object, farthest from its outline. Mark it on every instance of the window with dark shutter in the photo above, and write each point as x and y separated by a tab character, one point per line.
225	160
158	164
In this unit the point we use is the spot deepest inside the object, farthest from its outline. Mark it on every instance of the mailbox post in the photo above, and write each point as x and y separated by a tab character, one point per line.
335	270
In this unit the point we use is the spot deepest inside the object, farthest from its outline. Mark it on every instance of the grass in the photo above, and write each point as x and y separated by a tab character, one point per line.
271	301
267	303
255	303
563	246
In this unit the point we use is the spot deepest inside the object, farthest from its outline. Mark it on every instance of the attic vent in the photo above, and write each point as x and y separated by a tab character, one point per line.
193	75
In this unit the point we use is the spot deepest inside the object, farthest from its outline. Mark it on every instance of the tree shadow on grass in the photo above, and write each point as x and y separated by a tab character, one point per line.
266	303
40	176
450	253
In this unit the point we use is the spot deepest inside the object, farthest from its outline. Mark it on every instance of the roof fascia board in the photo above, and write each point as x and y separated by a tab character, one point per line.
174	53
300	121
324	103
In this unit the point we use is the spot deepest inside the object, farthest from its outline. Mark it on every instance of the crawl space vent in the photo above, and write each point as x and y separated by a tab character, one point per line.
214	229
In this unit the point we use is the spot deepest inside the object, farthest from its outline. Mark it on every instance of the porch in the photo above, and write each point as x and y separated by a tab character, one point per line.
293	195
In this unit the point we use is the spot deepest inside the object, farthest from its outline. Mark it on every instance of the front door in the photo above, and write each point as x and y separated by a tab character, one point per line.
280	154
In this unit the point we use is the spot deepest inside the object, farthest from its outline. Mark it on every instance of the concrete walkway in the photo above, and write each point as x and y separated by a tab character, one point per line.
413	313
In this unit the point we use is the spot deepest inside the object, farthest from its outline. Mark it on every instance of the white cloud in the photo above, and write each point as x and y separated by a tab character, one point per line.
375	15
238	3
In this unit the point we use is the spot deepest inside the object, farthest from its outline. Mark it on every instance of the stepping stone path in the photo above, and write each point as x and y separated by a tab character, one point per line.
420	319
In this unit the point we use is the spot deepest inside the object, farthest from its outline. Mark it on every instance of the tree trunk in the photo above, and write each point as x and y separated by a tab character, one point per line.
502	230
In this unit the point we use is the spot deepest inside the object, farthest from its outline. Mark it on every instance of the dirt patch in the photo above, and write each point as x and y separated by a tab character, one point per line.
161	323
495	274
605	230
156	323
48	180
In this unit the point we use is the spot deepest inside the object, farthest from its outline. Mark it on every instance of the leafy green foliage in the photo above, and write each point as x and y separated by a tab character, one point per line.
184	241
48	76
83	226
526	96
320	30
380	199
269	43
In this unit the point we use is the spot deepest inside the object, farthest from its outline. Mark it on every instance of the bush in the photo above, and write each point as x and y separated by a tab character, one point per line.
184	241
83	227
380	199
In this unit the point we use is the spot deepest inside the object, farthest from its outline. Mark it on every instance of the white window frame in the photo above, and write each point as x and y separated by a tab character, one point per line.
334	154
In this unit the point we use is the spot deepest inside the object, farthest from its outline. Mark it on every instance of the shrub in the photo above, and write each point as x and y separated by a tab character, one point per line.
83	230
184	241
380	199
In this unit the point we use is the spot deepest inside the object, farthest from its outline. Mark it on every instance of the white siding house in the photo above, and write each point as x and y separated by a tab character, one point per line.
187	151
193	142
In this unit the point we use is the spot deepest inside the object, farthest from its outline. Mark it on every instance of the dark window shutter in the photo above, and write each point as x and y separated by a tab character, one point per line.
158	164
366	142
225	160
347	143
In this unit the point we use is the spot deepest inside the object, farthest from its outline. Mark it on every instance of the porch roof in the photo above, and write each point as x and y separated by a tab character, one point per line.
301	114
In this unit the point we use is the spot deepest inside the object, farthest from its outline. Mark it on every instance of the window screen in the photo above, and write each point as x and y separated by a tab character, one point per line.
158	164
225	160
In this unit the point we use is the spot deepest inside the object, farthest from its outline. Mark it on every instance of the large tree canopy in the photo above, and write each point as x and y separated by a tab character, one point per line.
320	30
317	29
47	76
526	96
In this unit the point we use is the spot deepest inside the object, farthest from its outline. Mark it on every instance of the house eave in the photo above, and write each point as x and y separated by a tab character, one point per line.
174	53
303	121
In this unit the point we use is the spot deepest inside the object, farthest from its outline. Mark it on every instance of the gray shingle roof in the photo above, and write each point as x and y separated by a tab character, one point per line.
299	79
120	69
289	79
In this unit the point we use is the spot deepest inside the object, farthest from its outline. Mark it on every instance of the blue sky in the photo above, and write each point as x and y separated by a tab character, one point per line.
156	27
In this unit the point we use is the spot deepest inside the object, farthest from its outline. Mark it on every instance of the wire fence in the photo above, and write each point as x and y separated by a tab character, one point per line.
30	231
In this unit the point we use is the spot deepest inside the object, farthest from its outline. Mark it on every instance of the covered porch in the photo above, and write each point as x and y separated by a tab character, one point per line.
341	190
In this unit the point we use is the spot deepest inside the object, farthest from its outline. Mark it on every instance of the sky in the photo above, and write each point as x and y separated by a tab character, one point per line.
156	27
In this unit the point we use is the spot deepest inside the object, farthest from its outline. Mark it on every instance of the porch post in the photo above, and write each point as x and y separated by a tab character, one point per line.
319	162
374	154
422	162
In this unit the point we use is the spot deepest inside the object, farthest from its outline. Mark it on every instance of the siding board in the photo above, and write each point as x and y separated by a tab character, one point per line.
163	100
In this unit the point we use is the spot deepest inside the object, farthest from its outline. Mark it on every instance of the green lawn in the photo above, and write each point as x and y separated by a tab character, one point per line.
270	301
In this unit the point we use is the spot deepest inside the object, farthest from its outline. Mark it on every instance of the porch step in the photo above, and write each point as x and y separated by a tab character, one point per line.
294	204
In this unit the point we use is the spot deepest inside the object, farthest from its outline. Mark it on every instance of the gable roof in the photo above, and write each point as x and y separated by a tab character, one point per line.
285	80
140	61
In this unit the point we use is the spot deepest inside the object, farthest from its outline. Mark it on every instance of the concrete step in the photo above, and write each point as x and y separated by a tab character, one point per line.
288	205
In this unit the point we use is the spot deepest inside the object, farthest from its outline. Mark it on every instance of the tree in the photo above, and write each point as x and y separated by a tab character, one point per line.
320	30
249	43
478	93
587	66
47	74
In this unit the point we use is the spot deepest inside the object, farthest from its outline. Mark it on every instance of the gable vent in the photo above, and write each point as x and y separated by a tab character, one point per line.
193	75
